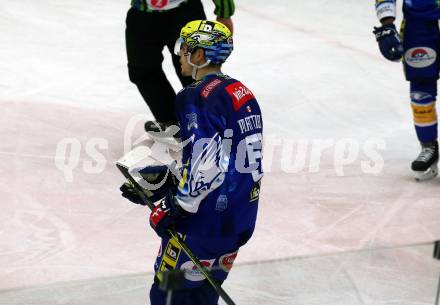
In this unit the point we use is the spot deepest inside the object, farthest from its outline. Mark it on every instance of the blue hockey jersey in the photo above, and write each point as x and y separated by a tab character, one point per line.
421	9
221	130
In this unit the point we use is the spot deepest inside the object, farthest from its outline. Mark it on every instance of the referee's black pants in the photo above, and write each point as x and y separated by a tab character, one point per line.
146	34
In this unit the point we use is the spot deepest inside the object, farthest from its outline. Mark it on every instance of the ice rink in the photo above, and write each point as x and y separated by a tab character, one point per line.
341	219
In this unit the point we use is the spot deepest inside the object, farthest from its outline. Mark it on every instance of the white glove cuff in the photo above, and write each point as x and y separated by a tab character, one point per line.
386	9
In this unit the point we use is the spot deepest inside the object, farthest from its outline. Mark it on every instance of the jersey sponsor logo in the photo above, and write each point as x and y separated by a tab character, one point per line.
157	215
206	91
172	251
170	257
166	267
255	192
163	5
192	273
420	57
158	3
240	94
226	261
424	115
249	123
193	85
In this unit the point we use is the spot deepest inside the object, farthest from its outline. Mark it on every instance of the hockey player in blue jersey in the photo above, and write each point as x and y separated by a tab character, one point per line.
419	45
214	206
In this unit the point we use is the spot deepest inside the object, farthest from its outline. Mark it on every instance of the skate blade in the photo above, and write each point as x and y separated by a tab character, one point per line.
429	174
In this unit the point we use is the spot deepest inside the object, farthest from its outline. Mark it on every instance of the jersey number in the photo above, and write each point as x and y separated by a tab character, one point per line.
254	146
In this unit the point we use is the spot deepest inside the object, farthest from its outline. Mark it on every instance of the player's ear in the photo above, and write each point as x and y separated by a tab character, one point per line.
199	56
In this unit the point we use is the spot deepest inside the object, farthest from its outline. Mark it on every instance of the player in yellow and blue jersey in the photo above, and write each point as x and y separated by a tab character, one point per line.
418	45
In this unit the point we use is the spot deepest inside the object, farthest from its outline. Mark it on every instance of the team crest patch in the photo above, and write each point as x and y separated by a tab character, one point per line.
420	57
192	121
222	203
240	94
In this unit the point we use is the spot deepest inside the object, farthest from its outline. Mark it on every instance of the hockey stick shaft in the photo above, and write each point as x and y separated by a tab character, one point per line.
173	235
437	297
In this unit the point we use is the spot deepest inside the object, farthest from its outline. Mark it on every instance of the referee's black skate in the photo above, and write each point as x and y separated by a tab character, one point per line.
425	165
162	129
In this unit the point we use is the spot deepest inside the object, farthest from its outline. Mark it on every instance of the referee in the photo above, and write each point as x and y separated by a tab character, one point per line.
150	26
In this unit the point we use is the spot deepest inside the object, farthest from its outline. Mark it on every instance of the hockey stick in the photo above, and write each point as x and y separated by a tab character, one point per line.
437	256
124	168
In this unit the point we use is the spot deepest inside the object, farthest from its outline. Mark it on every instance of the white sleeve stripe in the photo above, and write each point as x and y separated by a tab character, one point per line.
386	9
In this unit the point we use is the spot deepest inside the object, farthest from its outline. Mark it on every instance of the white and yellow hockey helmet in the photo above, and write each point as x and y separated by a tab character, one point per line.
212	36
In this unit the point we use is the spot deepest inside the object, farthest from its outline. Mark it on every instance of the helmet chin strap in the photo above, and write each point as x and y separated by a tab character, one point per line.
195	67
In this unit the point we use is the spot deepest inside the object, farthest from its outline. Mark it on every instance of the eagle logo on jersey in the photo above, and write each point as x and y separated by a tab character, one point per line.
207	169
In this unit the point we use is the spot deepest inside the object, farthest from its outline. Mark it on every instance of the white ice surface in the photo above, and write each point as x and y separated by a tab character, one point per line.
318	75
398	276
